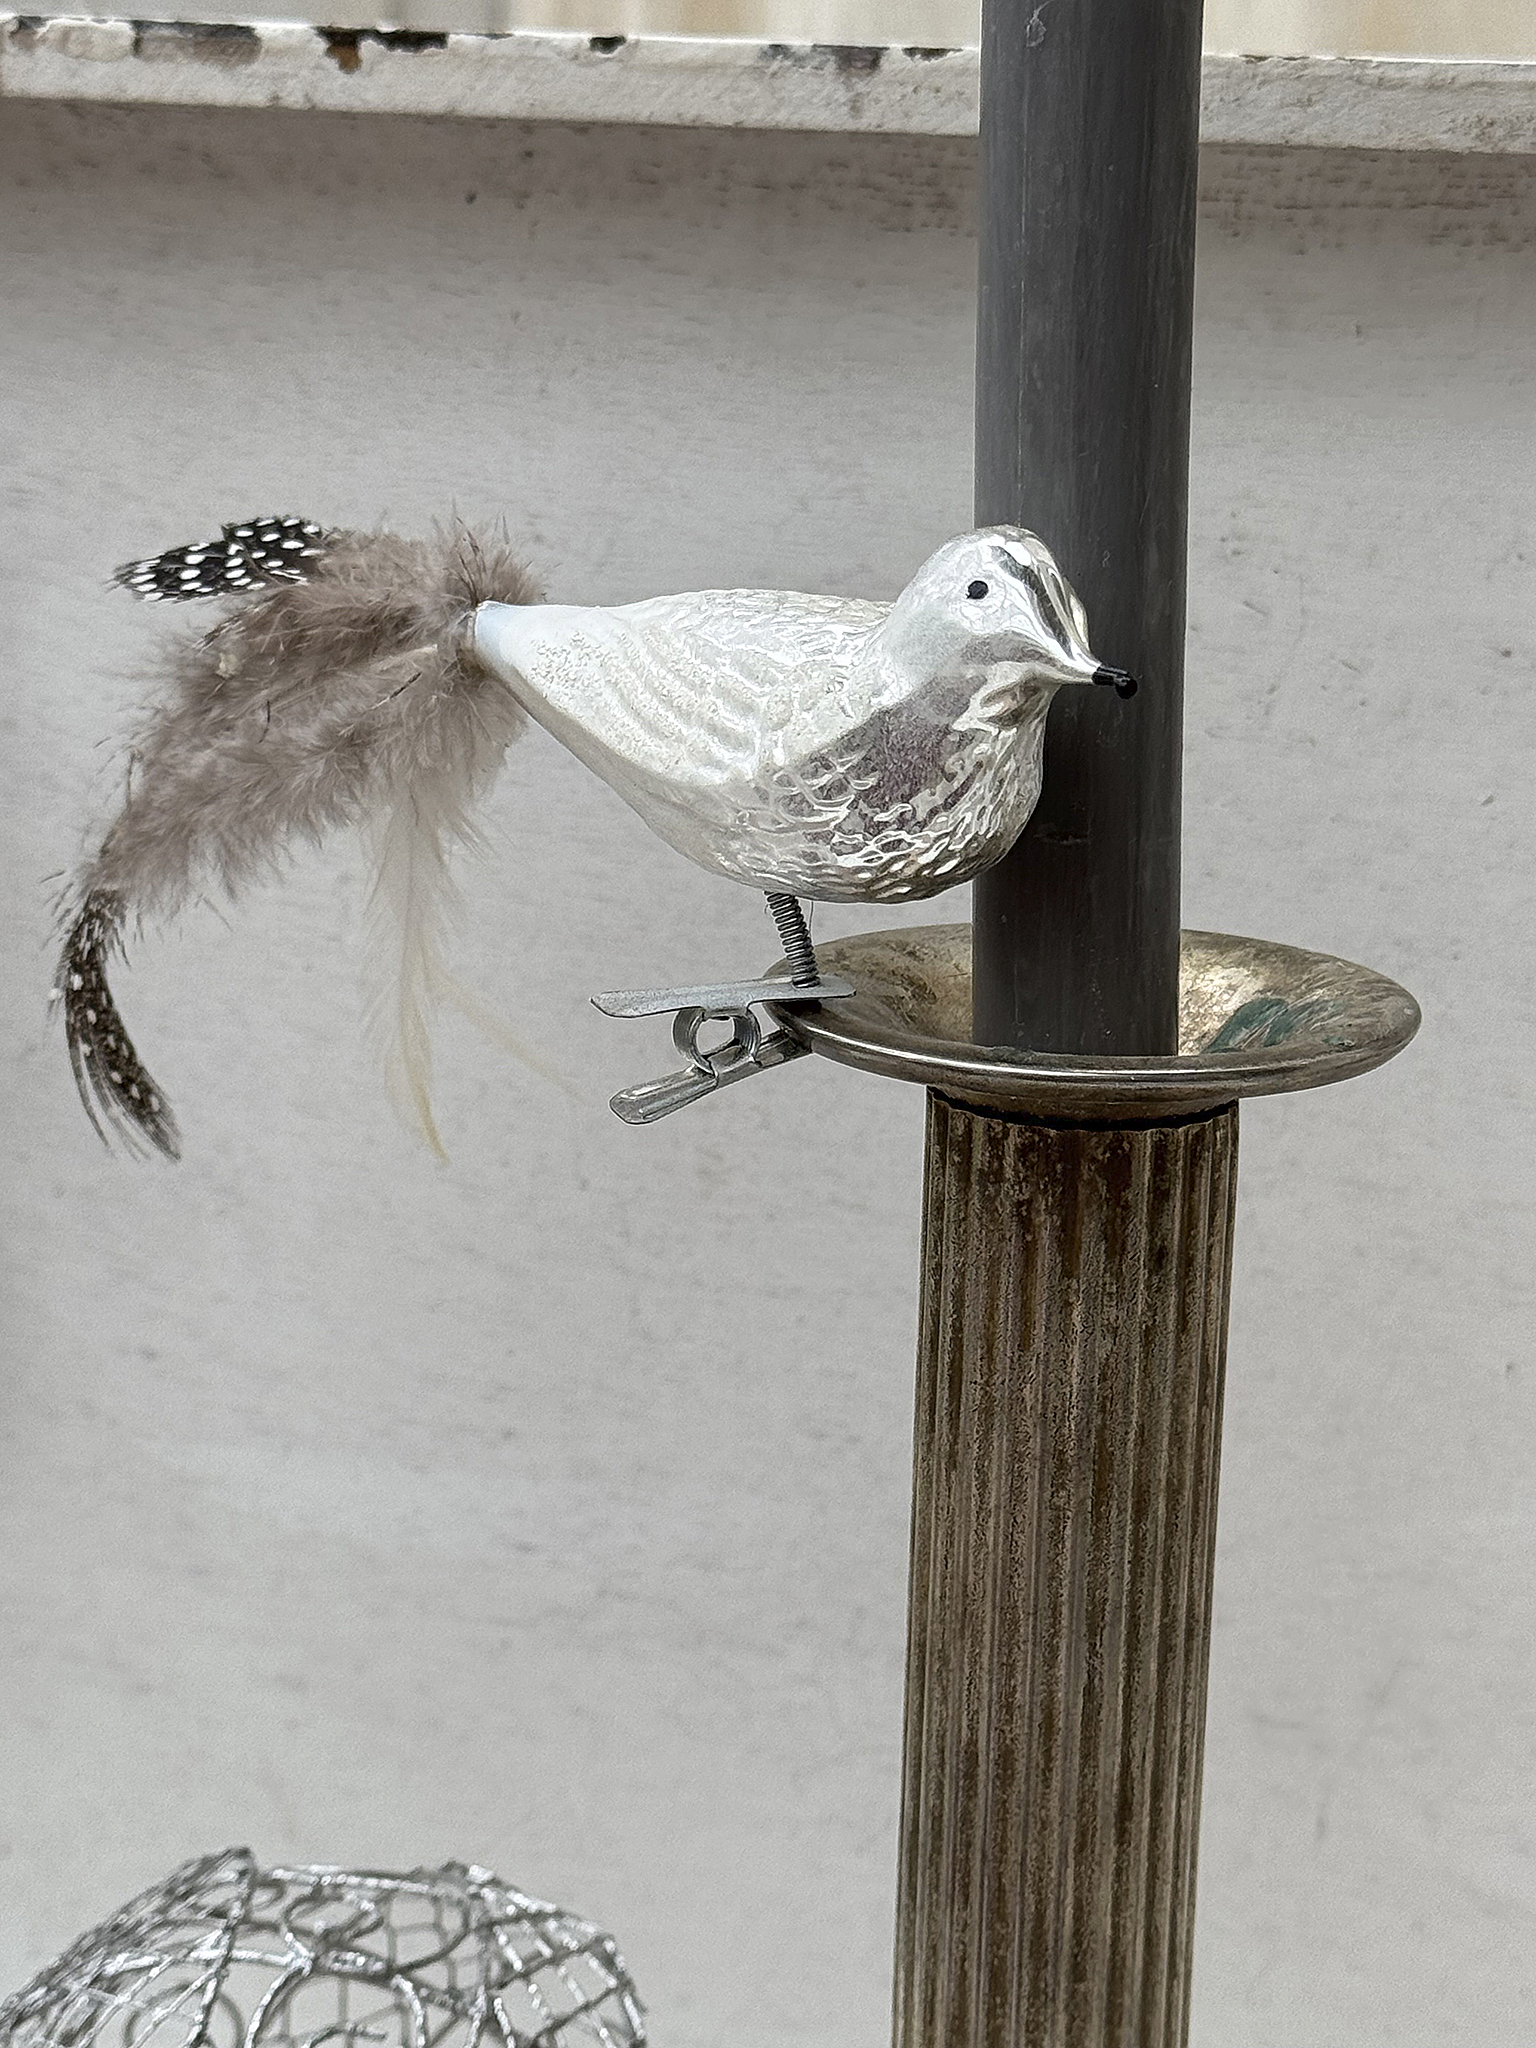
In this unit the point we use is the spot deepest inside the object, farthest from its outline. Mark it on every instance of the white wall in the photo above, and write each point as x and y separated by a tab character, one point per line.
550	1508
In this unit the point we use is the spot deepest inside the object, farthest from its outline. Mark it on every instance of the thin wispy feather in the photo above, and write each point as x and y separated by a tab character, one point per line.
339	700
413	903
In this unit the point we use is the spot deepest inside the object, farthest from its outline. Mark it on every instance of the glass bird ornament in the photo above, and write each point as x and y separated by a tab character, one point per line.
811	747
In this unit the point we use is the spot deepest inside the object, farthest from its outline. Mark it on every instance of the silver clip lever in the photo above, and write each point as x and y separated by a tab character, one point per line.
745	1051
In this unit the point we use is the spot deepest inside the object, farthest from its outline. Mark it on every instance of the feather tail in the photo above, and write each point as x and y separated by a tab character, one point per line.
333	692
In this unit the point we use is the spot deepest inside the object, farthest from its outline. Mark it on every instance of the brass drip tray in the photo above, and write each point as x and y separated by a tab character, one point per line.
1255	1018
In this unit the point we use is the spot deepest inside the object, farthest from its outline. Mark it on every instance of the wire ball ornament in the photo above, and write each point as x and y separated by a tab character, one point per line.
224	1954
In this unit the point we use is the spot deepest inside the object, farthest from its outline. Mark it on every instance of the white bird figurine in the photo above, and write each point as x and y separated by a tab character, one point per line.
808	746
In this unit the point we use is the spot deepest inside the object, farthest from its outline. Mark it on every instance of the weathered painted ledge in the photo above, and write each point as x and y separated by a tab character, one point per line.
705	82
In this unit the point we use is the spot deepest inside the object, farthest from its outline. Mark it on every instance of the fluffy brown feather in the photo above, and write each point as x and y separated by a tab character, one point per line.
341	700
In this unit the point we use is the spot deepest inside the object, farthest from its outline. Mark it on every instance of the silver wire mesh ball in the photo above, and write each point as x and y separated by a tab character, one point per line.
224	1954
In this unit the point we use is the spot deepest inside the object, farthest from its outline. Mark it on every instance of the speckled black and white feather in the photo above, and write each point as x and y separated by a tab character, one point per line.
120	1097
341	699
250	555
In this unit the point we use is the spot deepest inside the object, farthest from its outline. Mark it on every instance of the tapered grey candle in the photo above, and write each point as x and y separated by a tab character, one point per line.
1089	131
1074	1274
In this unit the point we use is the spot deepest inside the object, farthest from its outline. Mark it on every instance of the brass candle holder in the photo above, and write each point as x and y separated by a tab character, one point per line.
1077	1243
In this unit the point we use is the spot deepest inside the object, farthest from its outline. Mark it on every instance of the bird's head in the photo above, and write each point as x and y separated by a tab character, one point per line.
993	608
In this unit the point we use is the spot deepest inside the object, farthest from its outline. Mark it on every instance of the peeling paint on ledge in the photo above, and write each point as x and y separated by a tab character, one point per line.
857	59
225	43
344	46
686	81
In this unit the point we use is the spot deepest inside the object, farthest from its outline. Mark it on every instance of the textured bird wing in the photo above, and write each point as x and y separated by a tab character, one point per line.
713	685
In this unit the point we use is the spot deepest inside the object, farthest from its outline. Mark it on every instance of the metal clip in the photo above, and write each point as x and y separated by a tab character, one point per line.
746	1051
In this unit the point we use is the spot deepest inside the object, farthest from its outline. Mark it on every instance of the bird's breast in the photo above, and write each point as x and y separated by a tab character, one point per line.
899	808
820	774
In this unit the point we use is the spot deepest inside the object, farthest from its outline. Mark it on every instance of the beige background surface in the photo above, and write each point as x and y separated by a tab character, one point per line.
550	1508
1454	28
1433	28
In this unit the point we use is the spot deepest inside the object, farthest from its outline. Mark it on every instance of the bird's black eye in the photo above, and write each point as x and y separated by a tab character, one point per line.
976	589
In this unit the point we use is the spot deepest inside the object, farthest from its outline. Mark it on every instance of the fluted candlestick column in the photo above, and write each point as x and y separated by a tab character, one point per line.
1067	1440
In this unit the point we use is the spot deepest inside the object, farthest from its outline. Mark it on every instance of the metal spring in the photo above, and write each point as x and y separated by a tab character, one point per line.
795	938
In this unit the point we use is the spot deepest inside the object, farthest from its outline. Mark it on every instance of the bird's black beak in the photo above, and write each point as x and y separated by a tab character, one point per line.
1124	682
